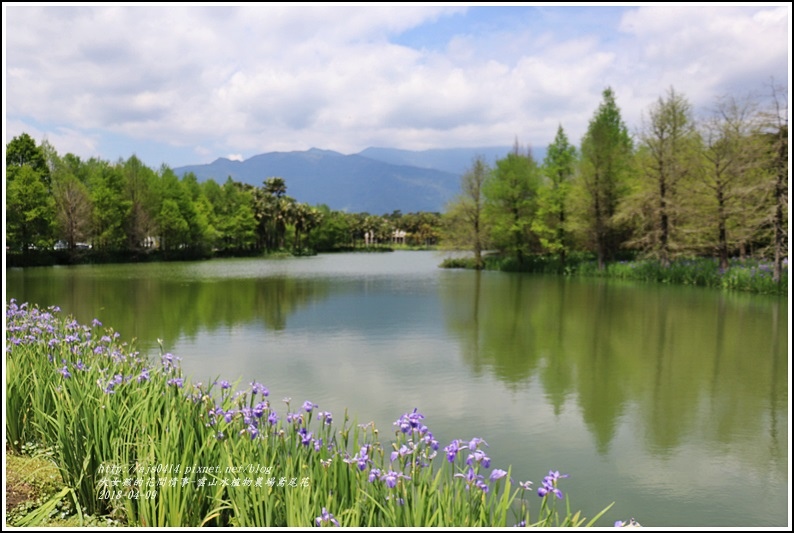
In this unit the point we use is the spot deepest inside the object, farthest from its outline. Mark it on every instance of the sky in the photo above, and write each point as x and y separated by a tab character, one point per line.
181	85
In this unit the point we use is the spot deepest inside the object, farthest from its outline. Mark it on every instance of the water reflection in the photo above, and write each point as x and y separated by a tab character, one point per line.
682	363
169	307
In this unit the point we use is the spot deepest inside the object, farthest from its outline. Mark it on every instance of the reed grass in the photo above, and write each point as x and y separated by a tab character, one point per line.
748	275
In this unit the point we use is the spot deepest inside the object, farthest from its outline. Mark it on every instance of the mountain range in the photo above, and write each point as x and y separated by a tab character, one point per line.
376	180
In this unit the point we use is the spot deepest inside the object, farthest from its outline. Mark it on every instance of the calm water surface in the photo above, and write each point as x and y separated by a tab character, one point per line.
670	401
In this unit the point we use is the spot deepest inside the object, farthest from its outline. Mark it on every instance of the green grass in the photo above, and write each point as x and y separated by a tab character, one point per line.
749	275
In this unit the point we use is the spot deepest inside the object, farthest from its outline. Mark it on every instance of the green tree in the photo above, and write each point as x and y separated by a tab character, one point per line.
464	221
305	219
106	185
776	127
22	151
209	205
605	163
174	229
182	193
29	211
73	209
236	216
731	156
511	202
139	186
332	232
551	221
666	158
422	229
273	211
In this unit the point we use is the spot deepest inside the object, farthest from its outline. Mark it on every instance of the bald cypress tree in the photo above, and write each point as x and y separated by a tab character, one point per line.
605	164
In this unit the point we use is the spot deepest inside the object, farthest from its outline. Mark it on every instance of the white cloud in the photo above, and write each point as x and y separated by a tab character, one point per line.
707	51
253	79
234	157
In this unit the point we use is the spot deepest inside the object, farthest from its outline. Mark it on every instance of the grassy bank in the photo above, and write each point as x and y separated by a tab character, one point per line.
750	275
136	441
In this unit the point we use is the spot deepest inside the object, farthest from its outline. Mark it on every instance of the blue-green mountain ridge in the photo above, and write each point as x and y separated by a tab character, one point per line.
376	180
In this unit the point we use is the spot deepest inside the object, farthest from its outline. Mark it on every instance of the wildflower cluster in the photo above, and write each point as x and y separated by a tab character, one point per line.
550	485
151	412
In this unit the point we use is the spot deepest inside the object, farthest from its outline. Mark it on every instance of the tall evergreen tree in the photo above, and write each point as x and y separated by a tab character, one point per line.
667	157
605	164
551	221
511	203
724	197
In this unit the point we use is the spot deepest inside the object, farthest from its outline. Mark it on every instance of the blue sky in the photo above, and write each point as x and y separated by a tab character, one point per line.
183	85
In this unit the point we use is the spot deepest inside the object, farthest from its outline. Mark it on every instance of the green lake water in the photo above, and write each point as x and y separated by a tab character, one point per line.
672	402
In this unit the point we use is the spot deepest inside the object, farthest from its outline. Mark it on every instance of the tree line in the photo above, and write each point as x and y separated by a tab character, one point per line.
712	186
127	209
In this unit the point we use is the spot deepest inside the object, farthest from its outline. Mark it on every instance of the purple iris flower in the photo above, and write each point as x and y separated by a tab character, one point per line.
479	457
410	421
308	406
470	477
430	441
257	388
452	450
296	418
497	474
402	452
475	443
306	436
373	475
325	518
65	372
390	478
550	485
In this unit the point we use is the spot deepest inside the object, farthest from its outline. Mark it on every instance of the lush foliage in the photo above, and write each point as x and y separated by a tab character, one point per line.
63	209
465	223
138	441
712	187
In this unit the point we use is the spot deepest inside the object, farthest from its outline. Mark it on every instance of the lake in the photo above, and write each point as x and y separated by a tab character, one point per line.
672	402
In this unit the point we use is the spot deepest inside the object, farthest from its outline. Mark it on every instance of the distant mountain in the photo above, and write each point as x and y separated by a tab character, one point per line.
352	183
376	180
454	160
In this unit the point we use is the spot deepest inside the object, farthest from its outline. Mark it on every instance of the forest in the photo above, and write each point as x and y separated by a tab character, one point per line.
679	187
713	184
